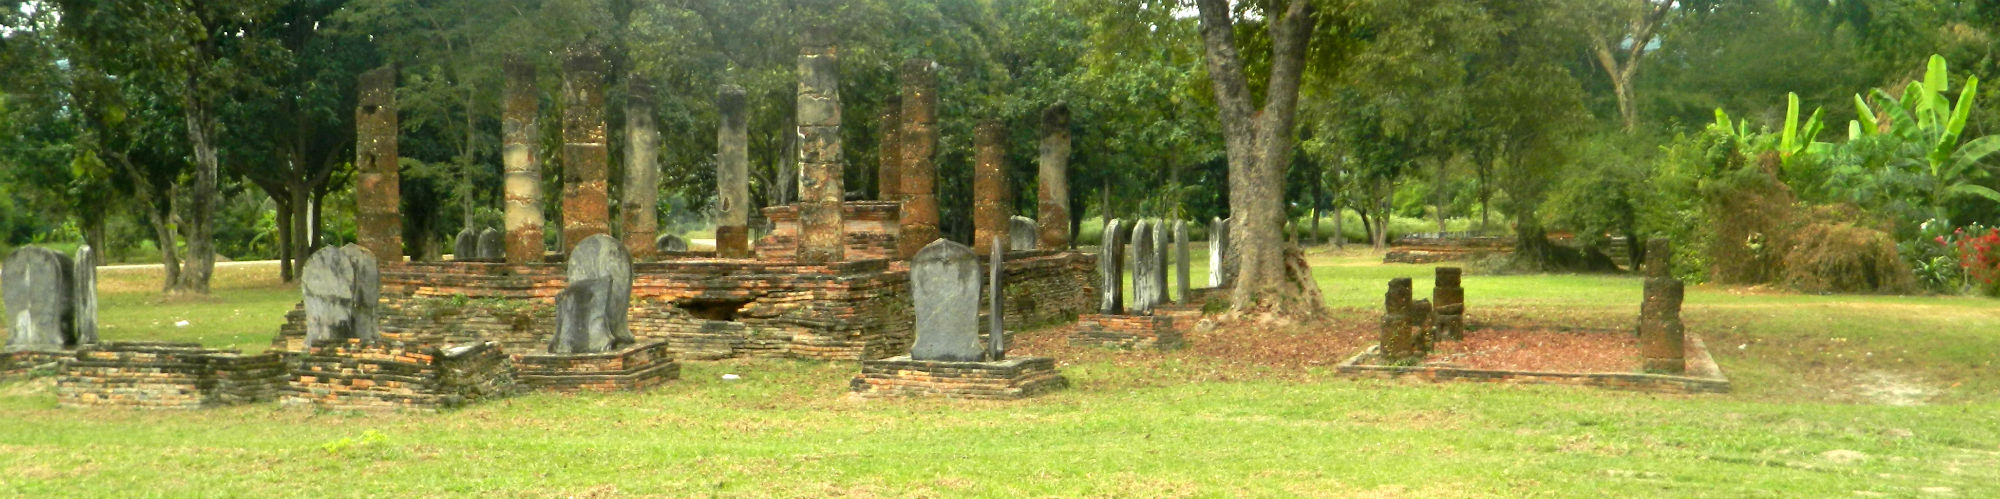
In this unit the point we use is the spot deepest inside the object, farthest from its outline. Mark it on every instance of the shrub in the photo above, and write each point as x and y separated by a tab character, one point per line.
1841	257
1979	255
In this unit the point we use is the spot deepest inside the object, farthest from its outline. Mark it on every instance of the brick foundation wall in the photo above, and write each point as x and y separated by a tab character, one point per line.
397	375
1128	331
871	229
636	367
708	308
159	375
1009	379
24	362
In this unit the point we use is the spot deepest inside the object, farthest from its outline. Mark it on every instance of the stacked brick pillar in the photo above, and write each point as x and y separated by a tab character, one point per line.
732	175
586	201
1052	212
1403	322
1448	298
991	205
377	189
919	133
520	129
821	236
1661	334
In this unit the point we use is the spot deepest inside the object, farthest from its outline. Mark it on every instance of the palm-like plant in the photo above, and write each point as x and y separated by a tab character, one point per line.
1923	118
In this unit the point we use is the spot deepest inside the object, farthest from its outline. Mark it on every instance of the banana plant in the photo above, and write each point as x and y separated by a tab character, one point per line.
1924	116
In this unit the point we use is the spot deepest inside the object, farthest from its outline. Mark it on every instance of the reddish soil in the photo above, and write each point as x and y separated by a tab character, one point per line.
1540	349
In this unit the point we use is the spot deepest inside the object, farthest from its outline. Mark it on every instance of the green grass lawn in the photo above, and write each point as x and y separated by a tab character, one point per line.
1808	418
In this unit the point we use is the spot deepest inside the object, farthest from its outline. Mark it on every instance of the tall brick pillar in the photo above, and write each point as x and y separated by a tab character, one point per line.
991	205
1052	208
920	208
822	237
586	202
377	182
732	175
640	197
1662	336
520	127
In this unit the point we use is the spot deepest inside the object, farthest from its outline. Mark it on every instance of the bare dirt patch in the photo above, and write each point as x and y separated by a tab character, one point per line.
1540	349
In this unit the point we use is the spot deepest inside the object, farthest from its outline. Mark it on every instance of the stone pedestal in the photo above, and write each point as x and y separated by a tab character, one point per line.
1010	379
1136	332
632	368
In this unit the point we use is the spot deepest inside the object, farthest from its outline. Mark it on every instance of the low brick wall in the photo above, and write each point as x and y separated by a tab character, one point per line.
159	375
708	308
1127	331
1437	254
396	375
1703	375
637	367
871	229
1002	380
24	362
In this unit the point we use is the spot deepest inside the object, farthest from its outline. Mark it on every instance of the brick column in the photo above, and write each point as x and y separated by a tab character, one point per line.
1052	210
377	182
1662	337
732	175
822	237
1398	344
520	128
991	206
640	196
920	209
888	173
586	204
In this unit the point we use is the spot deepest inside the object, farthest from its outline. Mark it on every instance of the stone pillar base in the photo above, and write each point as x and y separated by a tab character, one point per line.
633	368
1010	379
1126	331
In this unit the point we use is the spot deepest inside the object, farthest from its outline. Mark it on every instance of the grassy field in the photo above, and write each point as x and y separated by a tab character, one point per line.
1836	396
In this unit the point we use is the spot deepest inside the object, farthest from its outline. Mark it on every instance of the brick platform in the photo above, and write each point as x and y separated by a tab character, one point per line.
396	375
1703	375
637	367
1127	331
871	229
23	362
1009	379
159	375
708	308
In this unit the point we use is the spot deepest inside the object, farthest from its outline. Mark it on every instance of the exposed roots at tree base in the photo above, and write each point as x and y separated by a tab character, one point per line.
1296	299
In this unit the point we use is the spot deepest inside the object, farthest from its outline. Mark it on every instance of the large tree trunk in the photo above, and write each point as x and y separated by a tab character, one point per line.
200	222
1636	36
1259	144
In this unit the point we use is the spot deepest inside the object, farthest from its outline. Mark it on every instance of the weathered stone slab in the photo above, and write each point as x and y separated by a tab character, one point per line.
1182	266
1145	267
669	243
85	297
996	333
600	297
1218	242
39	287
1111	270
341	287
492	245
465	246
1020	233
944	283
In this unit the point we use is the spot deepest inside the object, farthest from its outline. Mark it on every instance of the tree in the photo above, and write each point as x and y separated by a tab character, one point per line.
1621	42
1259	144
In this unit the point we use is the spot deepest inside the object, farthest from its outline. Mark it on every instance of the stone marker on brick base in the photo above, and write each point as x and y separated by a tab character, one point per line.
84	299
591	312
947	360
341	286
466	245
1020	233
39	288
1111	269
1145	267
492	245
